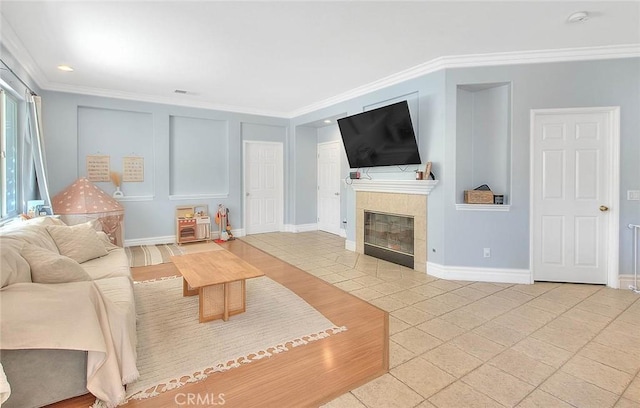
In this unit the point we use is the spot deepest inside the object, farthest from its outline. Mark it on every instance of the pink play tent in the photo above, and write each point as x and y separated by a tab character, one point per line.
83	201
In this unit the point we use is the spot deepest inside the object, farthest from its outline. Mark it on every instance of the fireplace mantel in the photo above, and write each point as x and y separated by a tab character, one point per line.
420	187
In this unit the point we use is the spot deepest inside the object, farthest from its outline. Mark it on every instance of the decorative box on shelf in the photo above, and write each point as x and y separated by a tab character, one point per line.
192	224
478	197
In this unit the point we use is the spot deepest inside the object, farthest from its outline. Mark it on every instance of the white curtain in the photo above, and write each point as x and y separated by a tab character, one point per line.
28	171
3	180
37	146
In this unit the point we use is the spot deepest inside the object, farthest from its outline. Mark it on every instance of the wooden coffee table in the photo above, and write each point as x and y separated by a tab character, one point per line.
219	278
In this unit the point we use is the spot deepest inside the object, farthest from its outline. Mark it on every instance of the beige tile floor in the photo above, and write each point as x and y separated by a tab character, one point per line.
476	344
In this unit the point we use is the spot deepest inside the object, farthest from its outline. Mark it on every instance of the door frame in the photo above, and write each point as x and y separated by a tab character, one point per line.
244	183
337	144
613	233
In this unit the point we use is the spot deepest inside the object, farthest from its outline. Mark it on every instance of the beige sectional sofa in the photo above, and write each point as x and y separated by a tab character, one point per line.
67	313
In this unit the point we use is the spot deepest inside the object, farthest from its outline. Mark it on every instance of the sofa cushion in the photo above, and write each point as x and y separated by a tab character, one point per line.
116	264
78	242
13	267
49	267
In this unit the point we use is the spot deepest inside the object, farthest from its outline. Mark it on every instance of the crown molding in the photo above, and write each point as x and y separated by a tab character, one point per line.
16	48
165	100
480	60
12	42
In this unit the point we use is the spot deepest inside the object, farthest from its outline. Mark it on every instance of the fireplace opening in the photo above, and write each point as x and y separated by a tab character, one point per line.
389	237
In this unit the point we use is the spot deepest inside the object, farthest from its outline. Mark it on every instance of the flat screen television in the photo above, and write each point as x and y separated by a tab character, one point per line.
380	137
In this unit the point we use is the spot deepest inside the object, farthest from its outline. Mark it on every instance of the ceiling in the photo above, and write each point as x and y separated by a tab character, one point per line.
284	58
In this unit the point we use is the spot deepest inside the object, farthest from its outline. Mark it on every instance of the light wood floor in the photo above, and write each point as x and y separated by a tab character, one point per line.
307	376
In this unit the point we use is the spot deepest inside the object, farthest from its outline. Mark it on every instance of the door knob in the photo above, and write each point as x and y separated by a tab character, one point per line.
337	194
604	208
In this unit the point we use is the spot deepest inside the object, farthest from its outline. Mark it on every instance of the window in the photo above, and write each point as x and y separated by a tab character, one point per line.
9	154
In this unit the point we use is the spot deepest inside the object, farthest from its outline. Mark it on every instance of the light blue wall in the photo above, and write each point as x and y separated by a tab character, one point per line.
491	153
306	175
119	134
535	86
329	133
464	141
264	132
198	156
426	104
456	238
67	132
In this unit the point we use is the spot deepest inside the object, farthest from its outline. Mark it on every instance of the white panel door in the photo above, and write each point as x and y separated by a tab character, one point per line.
571	196
263	187
329	187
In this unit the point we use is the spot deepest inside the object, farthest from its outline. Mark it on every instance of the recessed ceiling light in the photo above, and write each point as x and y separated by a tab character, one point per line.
65	68
578	17
327	121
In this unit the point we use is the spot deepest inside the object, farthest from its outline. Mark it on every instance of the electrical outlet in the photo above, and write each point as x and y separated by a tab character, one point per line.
633	195
487	252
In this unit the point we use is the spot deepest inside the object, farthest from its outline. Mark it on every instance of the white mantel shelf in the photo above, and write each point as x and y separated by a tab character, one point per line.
420	187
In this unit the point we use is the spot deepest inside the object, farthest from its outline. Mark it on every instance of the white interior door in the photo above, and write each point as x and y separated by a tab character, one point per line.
263	187
329	187
572	203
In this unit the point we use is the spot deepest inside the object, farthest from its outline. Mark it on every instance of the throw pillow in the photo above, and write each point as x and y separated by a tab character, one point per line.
78	242
49	267
48	220
108	245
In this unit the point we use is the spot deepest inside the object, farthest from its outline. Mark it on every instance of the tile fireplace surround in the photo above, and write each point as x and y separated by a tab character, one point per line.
397	197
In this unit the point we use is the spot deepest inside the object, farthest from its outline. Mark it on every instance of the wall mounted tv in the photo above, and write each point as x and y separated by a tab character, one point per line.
380	137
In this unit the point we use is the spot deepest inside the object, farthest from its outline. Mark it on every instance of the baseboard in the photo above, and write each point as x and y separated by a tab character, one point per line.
626	280
300	227
306	227
350	245
342	233
171	239
469	273
237	233
168	239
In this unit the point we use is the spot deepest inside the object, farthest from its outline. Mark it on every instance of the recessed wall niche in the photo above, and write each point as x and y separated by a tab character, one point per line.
199	158
483	138
117	134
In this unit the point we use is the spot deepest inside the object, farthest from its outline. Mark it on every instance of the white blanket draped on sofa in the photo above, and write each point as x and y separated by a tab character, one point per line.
109	364
5	388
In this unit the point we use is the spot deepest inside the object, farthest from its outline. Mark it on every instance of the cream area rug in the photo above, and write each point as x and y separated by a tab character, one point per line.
175	349
146	255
